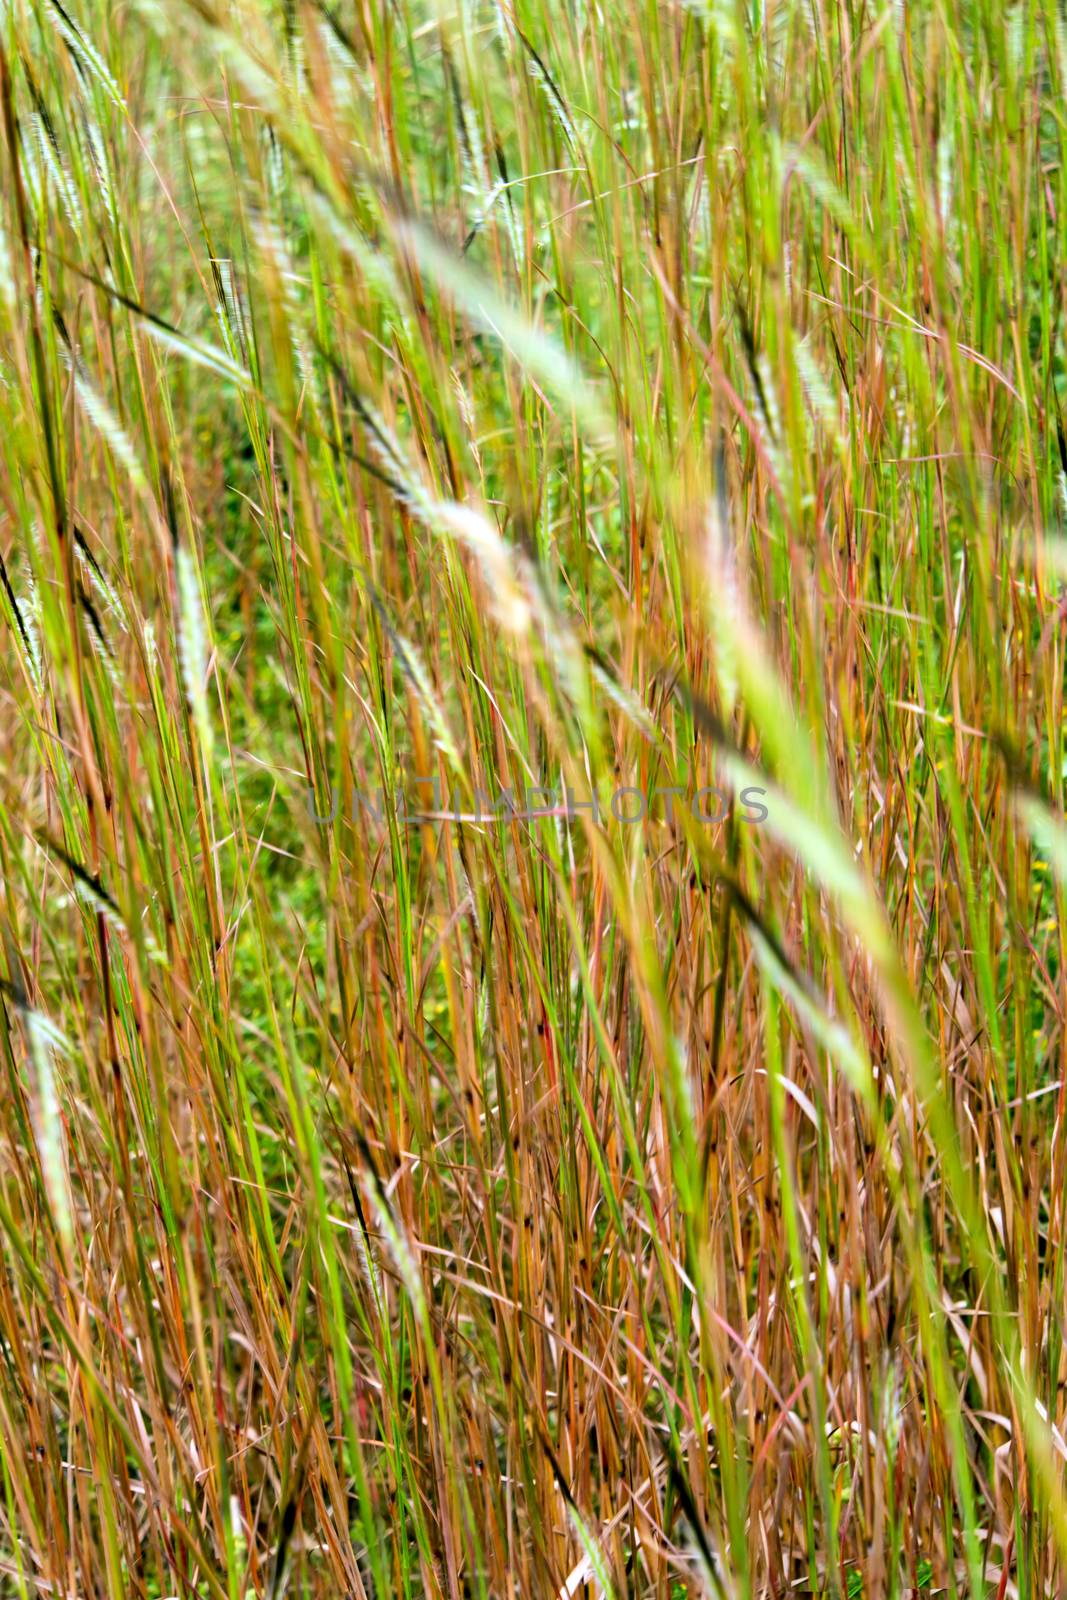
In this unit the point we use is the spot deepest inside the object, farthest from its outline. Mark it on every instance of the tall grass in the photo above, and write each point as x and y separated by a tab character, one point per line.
446	1149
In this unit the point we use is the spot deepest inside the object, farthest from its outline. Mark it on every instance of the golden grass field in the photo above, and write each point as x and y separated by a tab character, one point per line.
532	762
